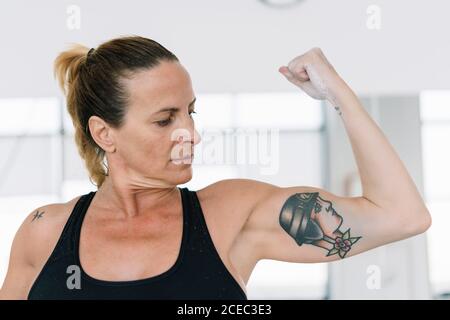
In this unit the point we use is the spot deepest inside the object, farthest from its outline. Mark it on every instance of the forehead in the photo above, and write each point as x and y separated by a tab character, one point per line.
323	201
161	86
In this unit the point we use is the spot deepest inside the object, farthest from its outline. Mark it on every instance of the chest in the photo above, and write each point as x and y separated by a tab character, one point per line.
123	251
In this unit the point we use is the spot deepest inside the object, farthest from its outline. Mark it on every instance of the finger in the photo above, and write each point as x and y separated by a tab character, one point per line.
303	75
300	75
306	86
284	71
290	76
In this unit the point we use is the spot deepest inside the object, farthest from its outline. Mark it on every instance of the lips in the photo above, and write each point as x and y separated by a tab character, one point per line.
185	158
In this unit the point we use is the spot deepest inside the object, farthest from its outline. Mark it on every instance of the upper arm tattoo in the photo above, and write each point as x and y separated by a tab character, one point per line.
38	215
309	219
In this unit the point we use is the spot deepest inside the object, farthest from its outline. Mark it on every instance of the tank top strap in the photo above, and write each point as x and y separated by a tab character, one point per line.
66	244
187	212
78	217
200	238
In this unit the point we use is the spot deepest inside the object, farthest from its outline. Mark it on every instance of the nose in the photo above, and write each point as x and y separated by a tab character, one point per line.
188	135
197	137
193	136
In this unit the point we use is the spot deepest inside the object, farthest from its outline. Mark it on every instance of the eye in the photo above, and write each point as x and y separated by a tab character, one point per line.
167	121
164	123
317	208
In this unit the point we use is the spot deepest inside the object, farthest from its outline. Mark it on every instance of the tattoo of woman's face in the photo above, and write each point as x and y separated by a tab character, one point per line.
310	219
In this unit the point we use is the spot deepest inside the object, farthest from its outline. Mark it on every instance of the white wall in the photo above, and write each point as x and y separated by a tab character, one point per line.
237	45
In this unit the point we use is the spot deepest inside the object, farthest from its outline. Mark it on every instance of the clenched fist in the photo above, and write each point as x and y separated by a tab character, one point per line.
313	74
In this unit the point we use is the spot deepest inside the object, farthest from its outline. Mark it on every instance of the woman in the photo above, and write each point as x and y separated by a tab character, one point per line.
139	236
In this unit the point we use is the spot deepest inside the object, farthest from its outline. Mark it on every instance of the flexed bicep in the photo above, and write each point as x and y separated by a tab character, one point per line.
309	219
308	224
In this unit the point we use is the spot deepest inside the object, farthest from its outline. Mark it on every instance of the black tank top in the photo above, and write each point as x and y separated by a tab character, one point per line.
198	272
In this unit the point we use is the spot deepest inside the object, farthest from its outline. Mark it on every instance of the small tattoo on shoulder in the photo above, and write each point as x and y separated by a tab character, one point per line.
38	215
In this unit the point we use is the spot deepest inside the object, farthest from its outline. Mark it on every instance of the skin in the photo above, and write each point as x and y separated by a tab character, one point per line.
138	205
134	221
142	176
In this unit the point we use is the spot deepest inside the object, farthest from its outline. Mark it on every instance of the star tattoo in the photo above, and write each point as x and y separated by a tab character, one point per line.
37	215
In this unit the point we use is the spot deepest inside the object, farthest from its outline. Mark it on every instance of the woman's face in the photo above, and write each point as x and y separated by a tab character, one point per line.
159	126
326	217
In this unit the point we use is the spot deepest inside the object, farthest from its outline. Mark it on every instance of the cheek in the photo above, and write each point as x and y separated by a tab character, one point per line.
338	218
140	143
156	149
330	219
143	141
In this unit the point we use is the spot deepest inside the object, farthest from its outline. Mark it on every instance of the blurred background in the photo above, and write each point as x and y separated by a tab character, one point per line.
392	53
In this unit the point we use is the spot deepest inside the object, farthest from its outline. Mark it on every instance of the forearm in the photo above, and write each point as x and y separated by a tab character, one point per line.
384	178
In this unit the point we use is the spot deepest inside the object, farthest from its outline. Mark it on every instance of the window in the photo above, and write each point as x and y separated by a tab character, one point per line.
435	117
28	163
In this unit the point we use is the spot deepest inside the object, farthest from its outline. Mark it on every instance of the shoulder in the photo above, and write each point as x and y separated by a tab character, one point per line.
33	243
244	193
42	228
233	198
227	205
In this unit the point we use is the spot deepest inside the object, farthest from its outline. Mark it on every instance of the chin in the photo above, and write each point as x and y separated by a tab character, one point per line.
183	176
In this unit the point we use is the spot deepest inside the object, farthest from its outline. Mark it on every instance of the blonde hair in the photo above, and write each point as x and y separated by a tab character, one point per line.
91	82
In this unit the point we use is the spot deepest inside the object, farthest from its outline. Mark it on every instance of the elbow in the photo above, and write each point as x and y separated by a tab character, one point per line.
427	221
421	222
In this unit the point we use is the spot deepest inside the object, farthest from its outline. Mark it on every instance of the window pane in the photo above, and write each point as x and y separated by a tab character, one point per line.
283	280
435	105
436	158
213	111
437	246
28	165
278	110
29	116
297	160
67	122
72	188
74	167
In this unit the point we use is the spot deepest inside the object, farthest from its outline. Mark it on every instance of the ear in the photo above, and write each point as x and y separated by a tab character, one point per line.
102	133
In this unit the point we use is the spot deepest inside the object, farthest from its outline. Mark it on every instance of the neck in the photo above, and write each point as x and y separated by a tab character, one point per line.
128	200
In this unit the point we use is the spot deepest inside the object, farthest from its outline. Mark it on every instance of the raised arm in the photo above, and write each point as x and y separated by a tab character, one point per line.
308	224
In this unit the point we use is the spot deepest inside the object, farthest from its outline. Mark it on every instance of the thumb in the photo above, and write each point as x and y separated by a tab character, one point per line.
290	76
302	76
284	71
287	73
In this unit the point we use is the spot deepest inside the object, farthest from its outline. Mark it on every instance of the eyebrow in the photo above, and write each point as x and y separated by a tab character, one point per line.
173	109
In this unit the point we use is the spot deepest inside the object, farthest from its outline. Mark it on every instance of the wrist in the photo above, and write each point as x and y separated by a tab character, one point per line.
339	93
